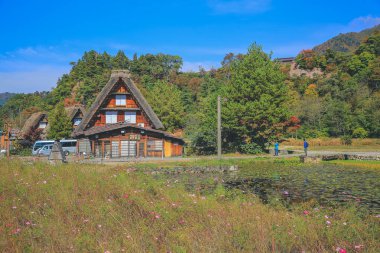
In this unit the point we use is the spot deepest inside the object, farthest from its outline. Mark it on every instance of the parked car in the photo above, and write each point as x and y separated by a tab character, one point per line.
3	151
68	146
45	150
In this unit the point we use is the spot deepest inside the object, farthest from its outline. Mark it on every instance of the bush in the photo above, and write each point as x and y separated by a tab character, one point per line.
360	133
314	133
21	151
251	148
346	140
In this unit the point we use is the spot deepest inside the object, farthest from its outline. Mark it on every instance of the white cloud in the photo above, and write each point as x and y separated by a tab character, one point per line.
32	69
362	23
239	6
40	78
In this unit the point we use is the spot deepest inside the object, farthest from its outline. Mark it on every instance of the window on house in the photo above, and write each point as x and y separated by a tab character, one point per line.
111	117
77	121
121	100
42	125
130	117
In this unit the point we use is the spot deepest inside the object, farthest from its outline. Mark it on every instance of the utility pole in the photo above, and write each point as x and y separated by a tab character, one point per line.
219	130
8	142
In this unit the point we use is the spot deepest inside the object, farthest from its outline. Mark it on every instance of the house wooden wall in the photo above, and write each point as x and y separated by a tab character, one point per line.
130	104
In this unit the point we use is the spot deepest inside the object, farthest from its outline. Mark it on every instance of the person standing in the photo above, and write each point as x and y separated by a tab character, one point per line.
276	145
305	146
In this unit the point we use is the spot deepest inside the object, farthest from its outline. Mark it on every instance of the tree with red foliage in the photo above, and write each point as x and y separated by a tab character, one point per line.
33	135
293	124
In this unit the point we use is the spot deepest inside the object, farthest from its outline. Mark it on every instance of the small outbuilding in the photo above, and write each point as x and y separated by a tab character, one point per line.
36	121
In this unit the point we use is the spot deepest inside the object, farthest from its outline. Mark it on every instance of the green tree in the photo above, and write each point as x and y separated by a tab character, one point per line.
201	125
60	124
255	110
165	100
120	61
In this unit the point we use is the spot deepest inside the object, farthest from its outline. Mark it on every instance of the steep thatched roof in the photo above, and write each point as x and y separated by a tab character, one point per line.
120	76
32	122
72	111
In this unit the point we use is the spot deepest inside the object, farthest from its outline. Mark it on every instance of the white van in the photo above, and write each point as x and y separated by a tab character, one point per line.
39	144
68	146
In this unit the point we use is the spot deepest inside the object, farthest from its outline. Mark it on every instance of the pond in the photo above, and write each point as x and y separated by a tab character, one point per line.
293	182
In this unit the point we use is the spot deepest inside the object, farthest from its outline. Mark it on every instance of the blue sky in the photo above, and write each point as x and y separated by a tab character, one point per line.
40	38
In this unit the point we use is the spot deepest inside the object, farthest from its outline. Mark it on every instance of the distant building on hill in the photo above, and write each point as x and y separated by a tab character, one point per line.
286	60
121	123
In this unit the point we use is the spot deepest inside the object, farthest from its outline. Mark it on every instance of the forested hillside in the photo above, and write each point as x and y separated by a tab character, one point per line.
261	101
347	42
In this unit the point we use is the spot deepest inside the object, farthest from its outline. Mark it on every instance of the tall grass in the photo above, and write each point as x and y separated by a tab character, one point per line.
315	142
97	208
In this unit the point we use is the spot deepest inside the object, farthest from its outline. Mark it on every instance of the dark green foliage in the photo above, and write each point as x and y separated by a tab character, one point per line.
202	123
60	126
165	99
255	110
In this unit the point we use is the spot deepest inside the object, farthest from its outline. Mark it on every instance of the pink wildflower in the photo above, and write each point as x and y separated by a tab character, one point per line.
126	196
359	246
14	207
305	212
328	222
157	216
28	223
16	231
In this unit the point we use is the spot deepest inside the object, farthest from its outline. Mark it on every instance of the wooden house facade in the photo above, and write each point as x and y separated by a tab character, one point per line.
121	123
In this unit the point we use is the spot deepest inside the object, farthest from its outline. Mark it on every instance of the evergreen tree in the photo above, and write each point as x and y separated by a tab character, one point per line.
255	110
60	124
166	102
120	61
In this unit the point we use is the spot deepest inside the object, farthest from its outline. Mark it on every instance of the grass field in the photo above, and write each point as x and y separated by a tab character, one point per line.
100	208
333	144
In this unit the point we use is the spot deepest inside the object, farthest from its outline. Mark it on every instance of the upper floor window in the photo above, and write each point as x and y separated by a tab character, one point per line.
130	117
111	117
121	100
77	121
42	124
